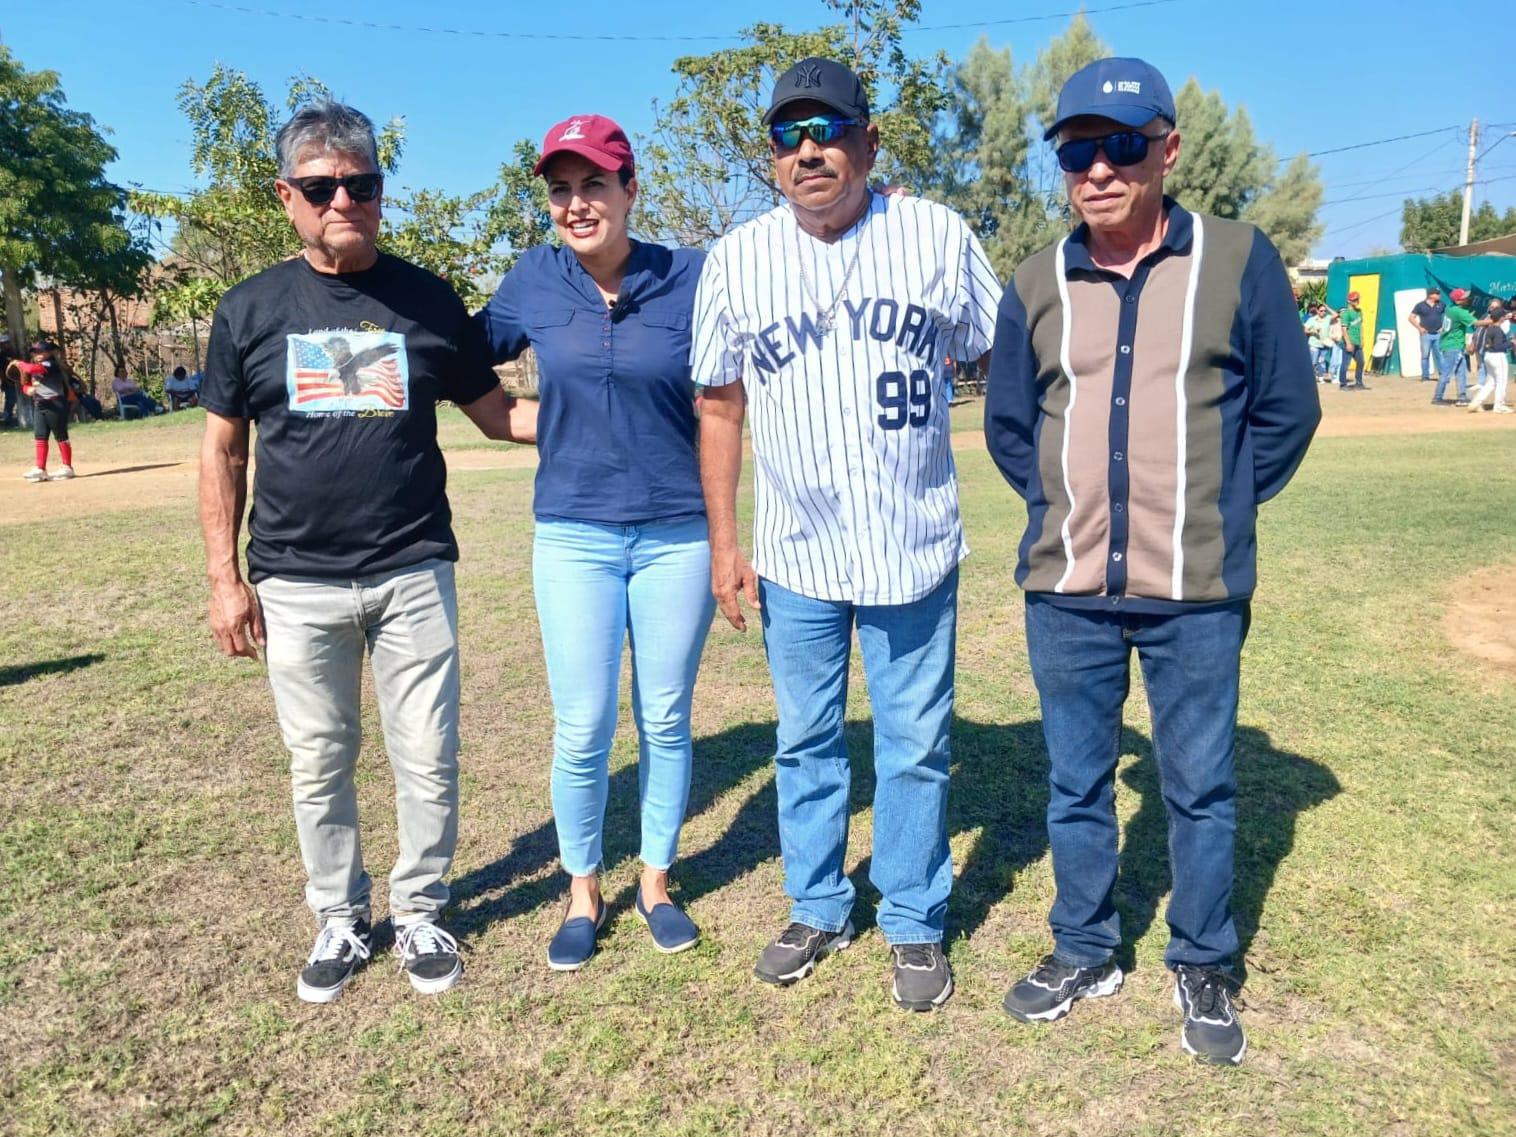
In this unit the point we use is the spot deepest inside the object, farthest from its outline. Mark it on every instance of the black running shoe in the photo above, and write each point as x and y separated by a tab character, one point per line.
429	956
1051	988
341	948
793	955
923	979
1212	1031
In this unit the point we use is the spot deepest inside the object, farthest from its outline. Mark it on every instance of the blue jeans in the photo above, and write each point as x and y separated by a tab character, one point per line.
598	585
908	652
1320	357
1081	664
1431	349
1455	365
1350	355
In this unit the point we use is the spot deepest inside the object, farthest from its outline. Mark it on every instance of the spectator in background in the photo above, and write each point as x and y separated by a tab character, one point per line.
1352	345
182	389
1496	342
1454	363
1318	328
1427	318
11	387
128	394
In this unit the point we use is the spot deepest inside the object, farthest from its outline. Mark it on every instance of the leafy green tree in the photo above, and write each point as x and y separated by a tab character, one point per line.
59	215
992	165
1434	222
707	167
984	160
235	225
1224	170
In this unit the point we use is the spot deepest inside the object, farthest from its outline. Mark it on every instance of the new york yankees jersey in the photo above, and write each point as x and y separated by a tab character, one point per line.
842	348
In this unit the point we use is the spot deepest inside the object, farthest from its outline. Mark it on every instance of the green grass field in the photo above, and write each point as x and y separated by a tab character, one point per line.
152	922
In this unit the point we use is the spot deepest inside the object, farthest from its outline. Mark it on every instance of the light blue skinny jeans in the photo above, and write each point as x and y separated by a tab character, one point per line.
598	586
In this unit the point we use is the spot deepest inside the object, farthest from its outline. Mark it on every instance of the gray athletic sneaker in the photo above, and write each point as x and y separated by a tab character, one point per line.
793	955
923	979
1050	989
1212	1031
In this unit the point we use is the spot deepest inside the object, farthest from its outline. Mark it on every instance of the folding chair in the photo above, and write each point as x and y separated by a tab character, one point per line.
1384	345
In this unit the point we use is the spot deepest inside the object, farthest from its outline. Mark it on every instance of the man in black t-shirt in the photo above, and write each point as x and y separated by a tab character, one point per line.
341	356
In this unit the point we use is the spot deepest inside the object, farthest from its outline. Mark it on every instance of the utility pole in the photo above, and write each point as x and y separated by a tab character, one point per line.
1468	183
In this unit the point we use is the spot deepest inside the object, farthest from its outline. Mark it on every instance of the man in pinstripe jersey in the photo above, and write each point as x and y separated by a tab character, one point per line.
828	320
1150	389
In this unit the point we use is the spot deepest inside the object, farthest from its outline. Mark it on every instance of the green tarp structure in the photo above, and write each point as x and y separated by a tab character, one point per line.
1486	278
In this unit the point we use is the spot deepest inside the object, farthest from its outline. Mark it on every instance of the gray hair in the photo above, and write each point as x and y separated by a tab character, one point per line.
326	127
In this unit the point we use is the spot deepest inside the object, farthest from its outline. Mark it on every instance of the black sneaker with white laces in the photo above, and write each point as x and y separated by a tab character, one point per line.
793	955
341	948
923	979
1051	987
1212	1031
428	955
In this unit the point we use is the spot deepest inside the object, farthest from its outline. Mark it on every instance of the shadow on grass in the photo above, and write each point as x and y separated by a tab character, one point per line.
1273	788
999	789
999	792
10	676
130	469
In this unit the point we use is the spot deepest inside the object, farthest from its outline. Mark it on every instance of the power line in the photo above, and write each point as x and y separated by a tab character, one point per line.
1377	142
1034	19
483	33
1360	224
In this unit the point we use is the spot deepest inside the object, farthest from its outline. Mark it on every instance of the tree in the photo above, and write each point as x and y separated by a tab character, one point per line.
59	216
1434	222
983	164
235	225
707	165
470	241
992	165
1225	171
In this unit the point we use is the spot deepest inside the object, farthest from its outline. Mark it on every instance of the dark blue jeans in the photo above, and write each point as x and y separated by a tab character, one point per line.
1081	663
1355	357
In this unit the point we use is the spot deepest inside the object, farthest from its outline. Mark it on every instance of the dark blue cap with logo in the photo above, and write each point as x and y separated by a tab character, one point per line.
820	81
1128	91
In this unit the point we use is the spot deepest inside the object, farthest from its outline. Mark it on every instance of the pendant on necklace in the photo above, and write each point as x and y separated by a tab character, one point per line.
824	323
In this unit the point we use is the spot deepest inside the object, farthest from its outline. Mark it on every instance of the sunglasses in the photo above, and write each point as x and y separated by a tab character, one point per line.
821	130
318	190
1123	148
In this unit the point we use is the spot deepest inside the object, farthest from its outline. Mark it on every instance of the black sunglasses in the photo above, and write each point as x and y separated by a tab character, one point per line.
822	130
1123	148
319	189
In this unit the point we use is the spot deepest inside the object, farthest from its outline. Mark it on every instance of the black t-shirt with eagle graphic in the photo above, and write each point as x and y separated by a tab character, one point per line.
342	374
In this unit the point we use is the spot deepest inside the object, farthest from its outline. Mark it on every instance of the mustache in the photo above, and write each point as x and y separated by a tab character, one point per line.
822	170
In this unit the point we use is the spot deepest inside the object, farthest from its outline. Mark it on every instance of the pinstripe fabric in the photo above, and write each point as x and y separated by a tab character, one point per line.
856	495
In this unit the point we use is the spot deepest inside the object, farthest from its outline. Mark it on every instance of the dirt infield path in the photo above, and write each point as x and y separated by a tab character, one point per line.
158	475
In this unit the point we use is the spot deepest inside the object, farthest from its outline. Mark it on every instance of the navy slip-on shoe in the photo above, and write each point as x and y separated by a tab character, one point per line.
574	944
672	929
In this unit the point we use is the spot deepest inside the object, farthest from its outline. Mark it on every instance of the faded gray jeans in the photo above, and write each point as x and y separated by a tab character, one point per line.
318	631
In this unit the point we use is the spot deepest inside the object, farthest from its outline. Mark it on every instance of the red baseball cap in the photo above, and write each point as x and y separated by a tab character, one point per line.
591	136
1352	296
1459	295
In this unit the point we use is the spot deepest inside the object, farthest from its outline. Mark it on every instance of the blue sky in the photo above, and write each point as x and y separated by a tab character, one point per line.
467	97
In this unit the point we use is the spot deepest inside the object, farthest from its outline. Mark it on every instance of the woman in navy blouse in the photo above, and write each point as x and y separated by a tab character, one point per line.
621	548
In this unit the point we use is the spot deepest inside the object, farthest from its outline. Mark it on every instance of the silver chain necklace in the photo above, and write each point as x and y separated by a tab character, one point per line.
827	320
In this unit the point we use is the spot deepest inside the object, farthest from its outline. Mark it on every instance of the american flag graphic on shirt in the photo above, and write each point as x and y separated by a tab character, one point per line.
347	370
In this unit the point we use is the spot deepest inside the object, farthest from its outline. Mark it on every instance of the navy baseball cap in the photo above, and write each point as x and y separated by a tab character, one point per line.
822	81
1128	91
